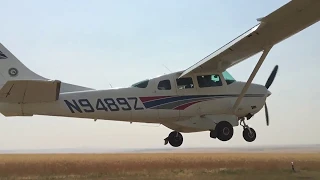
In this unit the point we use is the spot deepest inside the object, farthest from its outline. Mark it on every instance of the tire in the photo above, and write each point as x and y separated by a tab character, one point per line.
247	136
175	139
224	131
213	134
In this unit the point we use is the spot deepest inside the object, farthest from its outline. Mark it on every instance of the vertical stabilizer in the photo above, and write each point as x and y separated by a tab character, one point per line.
13	69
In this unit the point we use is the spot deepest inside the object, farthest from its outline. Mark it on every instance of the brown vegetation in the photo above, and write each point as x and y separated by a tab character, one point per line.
144	165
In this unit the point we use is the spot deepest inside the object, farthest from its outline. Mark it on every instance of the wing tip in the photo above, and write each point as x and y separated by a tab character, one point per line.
261	19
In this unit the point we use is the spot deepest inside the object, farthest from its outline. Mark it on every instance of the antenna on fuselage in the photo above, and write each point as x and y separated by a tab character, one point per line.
167	68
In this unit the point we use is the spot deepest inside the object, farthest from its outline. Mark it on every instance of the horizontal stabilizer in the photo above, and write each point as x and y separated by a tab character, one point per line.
30	91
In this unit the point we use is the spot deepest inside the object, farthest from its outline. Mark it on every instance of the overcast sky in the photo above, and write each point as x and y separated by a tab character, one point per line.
102	42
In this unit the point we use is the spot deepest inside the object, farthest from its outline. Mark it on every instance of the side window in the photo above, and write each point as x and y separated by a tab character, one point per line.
141	84
185	83
228	78
209	80
164	85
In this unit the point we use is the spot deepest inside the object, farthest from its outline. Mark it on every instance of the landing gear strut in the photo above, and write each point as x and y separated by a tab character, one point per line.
175	139
249	134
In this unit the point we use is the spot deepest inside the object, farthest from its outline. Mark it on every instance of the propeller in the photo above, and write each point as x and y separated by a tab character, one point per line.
268	84
266	112
272	76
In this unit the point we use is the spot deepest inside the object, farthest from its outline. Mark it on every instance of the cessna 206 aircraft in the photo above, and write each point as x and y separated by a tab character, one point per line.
204	97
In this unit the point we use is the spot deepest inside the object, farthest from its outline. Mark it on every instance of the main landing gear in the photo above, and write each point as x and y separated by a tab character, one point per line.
175	139
223	131
248	133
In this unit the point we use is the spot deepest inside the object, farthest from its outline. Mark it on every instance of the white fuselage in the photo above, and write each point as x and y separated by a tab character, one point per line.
150	104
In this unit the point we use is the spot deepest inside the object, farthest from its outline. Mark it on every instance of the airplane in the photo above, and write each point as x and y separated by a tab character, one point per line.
203	97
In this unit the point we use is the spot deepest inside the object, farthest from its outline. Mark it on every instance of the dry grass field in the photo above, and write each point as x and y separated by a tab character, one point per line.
187	166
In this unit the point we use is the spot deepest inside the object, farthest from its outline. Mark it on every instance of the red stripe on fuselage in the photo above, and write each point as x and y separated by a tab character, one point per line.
184	106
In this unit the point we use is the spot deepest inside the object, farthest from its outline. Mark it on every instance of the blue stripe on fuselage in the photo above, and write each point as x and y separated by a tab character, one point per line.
171	99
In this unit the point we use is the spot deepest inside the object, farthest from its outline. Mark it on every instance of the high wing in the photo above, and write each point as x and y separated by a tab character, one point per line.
286	21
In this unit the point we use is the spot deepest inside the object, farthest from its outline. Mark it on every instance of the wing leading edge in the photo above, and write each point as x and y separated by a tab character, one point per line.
286	21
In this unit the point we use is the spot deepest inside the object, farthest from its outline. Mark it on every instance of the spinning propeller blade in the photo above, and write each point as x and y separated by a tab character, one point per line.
267	114
268	84
271	77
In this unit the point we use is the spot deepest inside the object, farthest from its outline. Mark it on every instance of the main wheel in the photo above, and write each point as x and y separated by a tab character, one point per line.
224	131
249	137
175	139
213	134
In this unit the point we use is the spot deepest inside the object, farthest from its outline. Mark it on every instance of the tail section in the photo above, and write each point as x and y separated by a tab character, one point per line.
12	69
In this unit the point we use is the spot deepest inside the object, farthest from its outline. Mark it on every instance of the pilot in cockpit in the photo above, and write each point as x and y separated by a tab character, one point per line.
206	81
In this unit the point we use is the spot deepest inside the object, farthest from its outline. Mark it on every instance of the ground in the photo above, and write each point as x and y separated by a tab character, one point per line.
193	166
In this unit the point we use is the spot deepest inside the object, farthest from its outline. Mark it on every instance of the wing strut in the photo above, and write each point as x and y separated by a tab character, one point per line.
253	74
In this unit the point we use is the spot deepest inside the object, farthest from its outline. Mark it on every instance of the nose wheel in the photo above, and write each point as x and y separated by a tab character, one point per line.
175	139
248	133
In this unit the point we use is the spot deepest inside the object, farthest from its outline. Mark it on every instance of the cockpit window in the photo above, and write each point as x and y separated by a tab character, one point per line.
185	83
229	79
141	84
209	80
164	85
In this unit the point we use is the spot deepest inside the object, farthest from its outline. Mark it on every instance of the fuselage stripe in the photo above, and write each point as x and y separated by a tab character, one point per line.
184	106
164	101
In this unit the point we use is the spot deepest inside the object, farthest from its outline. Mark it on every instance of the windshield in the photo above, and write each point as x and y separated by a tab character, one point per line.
227	76
141	84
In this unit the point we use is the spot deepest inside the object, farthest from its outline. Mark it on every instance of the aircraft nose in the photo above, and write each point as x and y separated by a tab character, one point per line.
268	93
263	90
